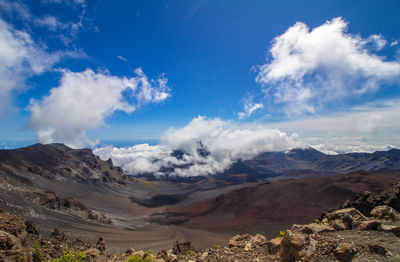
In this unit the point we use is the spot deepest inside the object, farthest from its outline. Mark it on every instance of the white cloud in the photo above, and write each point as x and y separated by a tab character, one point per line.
309	69
368	128
395	42
249	108
210	146
21	57
122	58
85	99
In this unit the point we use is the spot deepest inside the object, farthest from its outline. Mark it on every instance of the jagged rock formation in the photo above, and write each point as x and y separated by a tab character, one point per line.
368	200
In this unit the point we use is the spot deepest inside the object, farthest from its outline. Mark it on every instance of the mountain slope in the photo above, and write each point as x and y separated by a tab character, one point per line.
266	208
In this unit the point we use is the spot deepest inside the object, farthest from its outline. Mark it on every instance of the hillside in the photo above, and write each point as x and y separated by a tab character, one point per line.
270	207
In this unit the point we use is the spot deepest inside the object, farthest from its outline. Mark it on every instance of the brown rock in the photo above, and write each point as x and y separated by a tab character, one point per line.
344	219
258	240
369	225
345	252
93	254
313	228
101	245
58	235
384	212
9	241
182	248
31	228
274	245
296	246
393	229
374	248
239	240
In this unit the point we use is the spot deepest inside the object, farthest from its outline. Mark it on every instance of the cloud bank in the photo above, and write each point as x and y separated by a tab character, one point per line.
83	101
307	69
204	146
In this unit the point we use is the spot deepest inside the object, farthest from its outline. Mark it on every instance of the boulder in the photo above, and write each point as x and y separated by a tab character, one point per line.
344	219
296	246
58	235
384	212
392	229
182	248
274	245
9	241
239	241
345	252
377	249
258	240
93	254
101	245
313	228
31	228
369	225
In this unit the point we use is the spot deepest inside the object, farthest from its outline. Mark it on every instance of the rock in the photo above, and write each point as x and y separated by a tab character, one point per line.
204	255
139	253
258	240
9	241
384	212
345	252
274	245
393	229
172	257
369	225
249	246
313	228
101	245
14	225
344	219
58	235
182	248
296	246
94	255
339	225
374	248
31	228
239	241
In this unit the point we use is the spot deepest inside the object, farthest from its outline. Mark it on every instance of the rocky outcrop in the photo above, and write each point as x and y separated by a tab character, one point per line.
366	202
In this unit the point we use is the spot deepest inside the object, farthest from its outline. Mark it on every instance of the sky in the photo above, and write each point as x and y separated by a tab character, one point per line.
190	74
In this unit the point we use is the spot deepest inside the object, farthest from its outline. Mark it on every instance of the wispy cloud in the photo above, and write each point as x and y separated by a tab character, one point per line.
20	58
308	69
83	101
122	58
249	107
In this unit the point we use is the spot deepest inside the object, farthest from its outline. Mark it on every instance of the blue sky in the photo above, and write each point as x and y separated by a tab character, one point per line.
217	58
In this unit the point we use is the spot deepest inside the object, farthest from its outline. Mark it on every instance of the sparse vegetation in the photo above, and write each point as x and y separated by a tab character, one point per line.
281	234
37	256
190	253
150	251
216	247
317	221
70	256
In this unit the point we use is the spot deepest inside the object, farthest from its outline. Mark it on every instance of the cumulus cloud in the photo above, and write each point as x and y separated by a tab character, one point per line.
21	57
249	108
83	101
309	69
205	146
